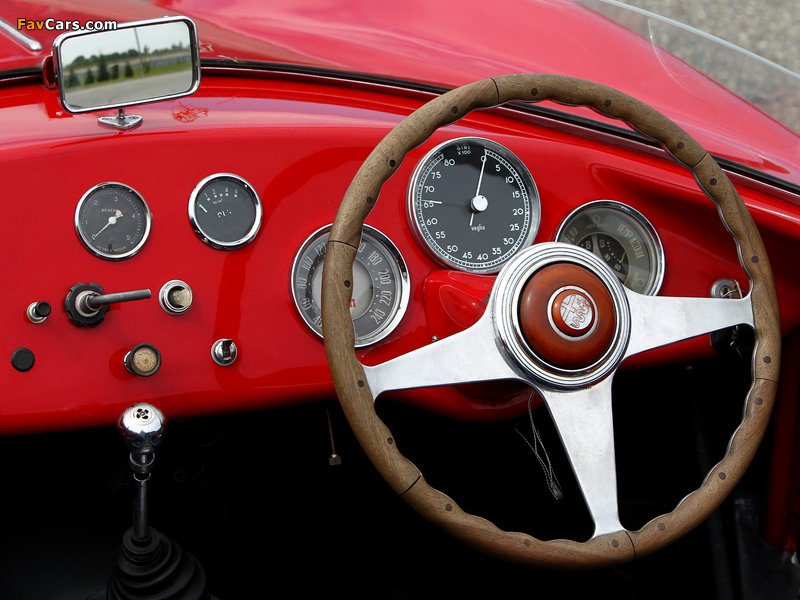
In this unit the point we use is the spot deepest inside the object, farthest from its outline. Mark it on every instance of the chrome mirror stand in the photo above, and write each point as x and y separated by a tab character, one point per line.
121	121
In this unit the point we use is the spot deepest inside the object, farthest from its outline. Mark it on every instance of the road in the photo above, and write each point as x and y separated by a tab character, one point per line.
128	90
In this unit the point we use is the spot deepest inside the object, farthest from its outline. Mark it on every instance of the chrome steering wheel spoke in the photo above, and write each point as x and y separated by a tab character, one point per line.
658	320
585	424
469	356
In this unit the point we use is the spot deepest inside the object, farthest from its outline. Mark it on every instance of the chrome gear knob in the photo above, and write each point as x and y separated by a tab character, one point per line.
142	428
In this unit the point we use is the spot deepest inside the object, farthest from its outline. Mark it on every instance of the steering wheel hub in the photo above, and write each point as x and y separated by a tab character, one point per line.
567	316
561	315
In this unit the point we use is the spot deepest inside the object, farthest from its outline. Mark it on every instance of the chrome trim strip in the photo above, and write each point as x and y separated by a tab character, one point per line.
21	38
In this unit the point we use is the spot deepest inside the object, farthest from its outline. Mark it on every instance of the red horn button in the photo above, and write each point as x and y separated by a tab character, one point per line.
578	327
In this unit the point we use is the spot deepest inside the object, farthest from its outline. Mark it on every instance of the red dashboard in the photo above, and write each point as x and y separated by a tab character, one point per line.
299	143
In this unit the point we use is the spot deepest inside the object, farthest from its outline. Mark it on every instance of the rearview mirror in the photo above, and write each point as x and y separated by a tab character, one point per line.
135	63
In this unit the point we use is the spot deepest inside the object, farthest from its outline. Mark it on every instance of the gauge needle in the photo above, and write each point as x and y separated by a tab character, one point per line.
479	203
111	221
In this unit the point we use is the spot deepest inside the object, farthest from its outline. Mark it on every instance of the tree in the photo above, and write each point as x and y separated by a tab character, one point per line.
128	70
114	71
102	69
89	77
72	80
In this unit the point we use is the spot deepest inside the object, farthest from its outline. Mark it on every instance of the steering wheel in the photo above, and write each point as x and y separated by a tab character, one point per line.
523	335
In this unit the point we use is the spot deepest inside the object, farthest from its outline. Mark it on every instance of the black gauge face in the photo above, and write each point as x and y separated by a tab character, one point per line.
113	221
225	211
380	285
623	238
473	205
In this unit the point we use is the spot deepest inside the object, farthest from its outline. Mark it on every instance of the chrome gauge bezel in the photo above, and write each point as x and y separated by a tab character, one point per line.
303	271
427	240
207	237
84	236
649	235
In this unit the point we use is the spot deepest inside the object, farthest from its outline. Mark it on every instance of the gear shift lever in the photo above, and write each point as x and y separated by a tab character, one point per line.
150	566
141	428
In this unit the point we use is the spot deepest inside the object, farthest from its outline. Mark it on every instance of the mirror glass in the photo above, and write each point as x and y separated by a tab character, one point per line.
136	63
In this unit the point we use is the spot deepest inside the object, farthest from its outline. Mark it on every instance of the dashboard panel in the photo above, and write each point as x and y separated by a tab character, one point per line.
296	144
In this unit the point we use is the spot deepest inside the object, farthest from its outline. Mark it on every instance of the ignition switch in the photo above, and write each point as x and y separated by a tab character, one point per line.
224	352
733	339
86	305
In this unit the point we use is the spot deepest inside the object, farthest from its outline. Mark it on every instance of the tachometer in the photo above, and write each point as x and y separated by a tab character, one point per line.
380	285
623	238
473	204
113	221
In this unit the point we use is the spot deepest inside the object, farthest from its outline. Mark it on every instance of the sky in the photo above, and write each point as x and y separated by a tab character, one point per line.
155	37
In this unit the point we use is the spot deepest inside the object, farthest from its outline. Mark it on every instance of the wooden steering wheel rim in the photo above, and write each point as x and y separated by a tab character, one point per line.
351	383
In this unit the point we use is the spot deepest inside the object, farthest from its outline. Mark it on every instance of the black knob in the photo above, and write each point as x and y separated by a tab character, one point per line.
22	359
38	311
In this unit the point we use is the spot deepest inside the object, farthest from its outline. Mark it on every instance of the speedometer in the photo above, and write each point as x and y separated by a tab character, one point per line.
473	205
380	285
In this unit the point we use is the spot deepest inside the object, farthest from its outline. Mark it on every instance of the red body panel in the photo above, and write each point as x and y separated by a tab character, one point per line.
440	44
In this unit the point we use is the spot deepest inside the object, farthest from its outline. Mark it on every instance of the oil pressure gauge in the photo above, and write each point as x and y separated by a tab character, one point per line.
623	238
380	285
225	211
113	221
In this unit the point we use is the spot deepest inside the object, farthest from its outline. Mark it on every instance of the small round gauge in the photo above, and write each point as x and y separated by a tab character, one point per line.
380	285
225	211
473	205
113	221
623	238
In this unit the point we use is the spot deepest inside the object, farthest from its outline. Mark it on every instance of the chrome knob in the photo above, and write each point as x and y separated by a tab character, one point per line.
142	428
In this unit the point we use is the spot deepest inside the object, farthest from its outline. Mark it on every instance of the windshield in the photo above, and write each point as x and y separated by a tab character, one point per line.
771	88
